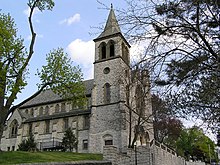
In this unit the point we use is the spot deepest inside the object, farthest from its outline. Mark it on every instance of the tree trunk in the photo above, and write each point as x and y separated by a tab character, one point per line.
130	129
3	118
136	131
134	140
1	132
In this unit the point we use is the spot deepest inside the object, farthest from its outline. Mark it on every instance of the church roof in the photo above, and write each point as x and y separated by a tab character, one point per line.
24	115
48	96
58	115
111	26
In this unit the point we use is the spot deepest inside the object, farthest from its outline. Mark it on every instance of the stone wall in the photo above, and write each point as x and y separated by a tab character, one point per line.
162	155
8	143
108	115
195	163
142	155
72	163
55	132
150	154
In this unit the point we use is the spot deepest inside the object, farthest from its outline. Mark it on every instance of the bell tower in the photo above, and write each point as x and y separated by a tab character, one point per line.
111	66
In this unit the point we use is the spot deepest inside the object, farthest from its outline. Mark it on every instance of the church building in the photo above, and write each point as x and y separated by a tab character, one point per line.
118	112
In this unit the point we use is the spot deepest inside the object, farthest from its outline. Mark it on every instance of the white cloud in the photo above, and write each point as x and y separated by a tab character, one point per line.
71	20
82	53
28	10
37	21
38	36
136	52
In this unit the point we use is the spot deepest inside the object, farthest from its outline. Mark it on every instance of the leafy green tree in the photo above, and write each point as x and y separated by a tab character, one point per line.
167	128
58	75
69	141
28	144
194	144
62	77
182	51
14	58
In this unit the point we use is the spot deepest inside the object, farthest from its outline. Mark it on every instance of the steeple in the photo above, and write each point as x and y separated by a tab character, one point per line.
111	26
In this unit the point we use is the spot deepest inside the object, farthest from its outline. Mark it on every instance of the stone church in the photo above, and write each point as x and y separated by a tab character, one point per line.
116	98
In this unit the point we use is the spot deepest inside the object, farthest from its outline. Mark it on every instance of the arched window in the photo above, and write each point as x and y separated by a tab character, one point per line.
102	50
124	53
108	139
14	129
107	93
47	110
32	112
57	108
41	111
111	48
63	107
123	50
47	126
65	124
86	122
30	128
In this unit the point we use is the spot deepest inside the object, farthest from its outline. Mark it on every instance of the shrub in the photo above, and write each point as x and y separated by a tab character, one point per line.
28	144
69	140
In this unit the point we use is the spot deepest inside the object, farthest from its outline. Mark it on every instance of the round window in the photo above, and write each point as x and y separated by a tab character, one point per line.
106	70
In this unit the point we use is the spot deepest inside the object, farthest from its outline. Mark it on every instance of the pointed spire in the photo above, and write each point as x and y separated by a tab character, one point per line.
111	26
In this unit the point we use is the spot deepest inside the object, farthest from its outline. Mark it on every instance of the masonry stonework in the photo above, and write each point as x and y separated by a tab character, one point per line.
150	154
102	122
106	124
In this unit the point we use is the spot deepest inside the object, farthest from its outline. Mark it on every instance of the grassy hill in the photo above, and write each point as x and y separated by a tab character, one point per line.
18	157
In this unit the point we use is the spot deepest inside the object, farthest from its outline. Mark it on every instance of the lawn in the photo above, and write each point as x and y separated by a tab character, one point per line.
17	157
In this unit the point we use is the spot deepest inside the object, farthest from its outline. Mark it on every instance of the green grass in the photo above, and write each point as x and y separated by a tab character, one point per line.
17	157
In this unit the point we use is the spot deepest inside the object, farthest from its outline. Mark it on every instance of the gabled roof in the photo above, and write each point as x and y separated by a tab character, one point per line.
44	97
24	115
111	26
58	115
48	96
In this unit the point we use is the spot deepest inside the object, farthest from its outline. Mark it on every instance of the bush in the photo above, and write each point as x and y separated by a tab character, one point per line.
28	144
69	140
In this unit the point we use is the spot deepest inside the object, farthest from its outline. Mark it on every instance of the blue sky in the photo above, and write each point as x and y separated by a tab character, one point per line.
69	25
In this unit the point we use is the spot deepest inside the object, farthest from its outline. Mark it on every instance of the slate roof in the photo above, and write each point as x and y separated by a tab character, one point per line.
24	115
111	26
58	115
49	96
